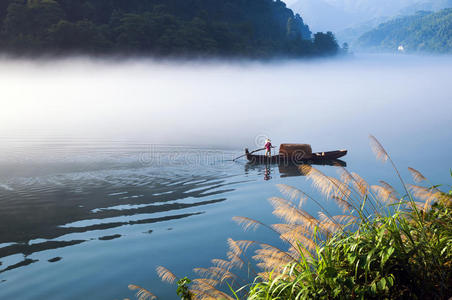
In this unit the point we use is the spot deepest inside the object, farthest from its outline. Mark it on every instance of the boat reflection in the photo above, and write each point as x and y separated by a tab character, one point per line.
289	169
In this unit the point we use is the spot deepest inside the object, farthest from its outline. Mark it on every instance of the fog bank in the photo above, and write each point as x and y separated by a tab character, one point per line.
227	104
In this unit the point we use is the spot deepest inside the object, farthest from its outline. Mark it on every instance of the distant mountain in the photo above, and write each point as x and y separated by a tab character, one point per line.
248	28
341	14
322	16
351	34
349	19
427	5
423	32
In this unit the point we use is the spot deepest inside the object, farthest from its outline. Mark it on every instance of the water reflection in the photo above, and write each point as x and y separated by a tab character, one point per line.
267	173
288	169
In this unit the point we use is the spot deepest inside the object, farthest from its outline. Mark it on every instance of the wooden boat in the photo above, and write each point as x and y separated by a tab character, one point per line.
297	154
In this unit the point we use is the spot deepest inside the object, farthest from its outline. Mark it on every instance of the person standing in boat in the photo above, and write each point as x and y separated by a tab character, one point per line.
268	147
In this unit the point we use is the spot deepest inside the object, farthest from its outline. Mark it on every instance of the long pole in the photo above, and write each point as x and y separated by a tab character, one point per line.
249	153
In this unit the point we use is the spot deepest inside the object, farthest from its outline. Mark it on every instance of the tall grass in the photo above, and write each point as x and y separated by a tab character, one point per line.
383	245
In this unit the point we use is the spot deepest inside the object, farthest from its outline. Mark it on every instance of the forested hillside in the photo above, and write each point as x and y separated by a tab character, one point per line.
249	28
423	32
427	5
338	15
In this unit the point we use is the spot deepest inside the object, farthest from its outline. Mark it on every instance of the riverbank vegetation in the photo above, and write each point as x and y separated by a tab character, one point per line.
232	28
384	245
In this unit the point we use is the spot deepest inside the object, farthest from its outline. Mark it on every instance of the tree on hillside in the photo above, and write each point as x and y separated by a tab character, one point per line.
80	36
326	43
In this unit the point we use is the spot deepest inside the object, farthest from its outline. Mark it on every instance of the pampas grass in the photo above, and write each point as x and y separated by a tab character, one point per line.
165	274
417	176
378	149
142	294
383	245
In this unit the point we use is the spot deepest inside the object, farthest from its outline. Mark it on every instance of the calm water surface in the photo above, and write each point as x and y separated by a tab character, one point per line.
91	218
83	216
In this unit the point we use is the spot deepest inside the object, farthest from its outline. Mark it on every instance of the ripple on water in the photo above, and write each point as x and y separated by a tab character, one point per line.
69	205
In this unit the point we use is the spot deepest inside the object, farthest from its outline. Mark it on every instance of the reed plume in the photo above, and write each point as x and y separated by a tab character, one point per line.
417	176
221	263
381	154
216	273
344	204
427	195
211	283
287	212
338	219
321	182
248	223
201	295
296	216
331	187
299	235
384	194
378	149
389	187
354	188
239	247
283	228
165	274
236	260
360	184
142	293
345	176
271	260
208	290
292	193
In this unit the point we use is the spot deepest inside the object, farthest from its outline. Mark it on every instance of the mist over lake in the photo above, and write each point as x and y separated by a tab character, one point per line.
122	166
221	103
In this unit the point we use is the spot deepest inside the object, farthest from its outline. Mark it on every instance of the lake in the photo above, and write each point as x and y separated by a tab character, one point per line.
110	169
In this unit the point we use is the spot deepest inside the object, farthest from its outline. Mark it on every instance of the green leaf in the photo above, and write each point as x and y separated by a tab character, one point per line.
390	280
331	272
386	255
373	288
382	284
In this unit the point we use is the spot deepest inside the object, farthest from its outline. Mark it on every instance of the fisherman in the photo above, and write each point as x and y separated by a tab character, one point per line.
268	147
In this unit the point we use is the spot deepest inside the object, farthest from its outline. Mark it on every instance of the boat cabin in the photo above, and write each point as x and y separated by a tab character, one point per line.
296	151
